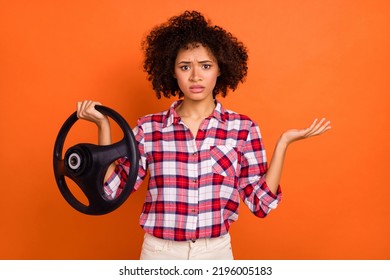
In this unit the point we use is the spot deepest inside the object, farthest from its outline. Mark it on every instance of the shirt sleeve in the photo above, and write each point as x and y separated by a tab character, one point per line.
117	181
253	188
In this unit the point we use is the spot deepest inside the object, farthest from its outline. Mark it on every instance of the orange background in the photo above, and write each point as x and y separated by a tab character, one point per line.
307	59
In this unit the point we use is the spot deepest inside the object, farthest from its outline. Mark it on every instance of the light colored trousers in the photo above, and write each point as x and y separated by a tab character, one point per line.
218	248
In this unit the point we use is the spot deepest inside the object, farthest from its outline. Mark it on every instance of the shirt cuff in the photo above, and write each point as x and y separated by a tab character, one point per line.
273	198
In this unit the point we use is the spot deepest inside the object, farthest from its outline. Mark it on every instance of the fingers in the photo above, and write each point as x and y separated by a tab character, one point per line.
306	132
318	128
86	110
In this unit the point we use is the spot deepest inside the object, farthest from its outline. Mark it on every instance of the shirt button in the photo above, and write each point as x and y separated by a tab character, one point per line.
195	181
195	153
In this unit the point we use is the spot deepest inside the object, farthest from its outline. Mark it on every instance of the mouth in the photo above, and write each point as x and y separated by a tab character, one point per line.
196	88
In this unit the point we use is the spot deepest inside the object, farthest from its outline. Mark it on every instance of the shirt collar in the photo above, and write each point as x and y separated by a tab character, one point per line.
172	117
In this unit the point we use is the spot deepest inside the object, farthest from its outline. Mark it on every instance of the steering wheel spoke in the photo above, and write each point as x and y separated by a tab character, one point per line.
105	155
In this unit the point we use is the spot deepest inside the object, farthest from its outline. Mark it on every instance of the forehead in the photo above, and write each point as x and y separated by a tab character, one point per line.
195	52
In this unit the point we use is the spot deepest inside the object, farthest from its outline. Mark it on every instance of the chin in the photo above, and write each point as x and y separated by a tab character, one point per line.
196	96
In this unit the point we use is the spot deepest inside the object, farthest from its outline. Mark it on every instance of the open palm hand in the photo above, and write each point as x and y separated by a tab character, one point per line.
315	129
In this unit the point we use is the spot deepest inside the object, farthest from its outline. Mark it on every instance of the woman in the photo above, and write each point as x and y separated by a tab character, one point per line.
202	158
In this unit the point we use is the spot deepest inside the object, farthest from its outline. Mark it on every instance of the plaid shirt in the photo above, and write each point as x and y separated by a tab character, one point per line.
195	184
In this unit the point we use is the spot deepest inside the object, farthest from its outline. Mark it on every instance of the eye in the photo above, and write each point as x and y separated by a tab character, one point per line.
206	66
185	67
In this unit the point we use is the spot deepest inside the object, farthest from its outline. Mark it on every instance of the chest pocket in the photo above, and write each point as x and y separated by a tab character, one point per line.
224	160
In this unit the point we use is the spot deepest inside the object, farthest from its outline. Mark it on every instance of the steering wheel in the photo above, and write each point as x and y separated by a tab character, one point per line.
86	164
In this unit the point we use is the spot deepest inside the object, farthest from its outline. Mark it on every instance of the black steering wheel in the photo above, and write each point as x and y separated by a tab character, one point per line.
86	164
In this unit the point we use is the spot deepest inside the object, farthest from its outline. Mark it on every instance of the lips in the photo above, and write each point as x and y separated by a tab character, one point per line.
196	88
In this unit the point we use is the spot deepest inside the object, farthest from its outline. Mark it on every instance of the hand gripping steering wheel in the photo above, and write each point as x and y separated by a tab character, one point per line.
86	165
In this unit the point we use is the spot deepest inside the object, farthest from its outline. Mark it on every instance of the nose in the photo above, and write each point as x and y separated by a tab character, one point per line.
195	75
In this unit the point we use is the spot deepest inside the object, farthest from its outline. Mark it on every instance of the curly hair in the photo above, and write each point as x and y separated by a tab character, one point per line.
162	44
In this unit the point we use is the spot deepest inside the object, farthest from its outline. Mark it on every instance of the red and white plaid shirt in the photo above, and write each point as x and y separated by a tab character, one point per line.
196	184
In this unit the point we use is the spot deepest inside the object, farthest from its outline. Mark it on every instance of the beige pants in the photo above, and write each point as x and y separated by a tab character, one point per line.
218	248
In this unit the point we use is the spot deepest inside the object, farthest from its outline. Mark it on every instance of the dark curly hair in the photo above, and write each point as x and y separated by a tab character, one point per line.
190	28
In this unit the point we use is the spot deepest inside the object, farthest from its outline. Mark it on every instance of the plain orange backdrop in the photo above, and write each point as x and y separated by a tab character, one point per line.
307	59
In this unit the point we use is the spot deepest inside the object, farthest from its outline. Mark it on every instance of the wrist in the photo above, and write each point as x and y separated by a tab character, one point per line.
283	141
104	132
103	123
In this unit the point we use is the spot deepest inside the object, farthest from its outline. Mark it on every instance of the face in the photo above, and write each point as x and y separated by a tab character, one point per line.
196	71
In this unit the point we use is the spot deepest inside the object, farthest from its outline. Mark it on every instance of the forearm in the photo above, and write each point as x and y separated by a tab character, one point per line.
104	133
104	138
274	172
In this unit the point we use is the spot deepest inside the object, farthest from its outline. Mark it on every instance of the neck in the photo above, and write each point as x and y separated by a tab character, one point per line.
196	109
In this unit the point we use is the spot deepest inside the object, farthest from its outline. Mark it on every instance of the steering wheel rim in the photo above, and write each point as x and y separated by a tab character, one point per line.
86	164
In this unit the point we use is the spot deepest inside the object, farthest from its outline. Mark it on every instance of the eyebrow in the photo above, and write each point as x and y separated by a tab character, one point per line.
189	62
